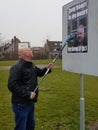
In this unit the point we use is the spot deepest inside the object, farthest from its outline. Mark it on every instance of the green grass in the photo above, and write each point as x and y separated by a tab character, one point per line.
58	106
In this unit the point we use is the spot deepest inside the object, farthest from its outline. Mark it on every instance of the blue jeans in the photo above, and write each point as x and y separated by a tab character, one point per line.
24	116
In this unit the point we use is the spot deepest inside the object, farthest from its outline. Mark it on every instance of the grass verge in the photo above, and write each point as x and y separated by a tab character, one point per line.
58	106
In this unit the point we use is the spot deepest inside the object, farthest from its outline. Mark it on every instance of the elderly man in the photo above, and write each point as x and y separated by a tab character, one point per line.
22	82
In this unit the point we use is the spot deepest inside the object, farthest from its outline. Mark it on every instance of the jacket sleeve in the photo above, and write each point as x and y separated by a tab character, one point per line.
41	72
13	83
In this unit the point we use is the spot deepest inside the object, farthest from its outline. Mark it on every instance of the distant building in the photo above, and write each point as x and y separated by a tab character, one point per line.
49	50
10	50
37	52
53	48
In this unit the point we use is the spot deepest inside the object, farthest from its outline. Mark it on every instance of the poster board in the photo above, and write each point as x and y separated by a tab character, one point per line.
78	58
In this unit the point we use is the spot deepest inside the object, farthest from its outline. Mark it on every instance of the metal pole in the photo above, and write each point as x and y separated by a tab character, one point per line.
82	112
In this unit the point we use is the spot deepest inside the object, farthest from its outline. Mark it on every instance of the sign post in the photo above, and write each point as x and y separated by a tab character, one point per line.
82	111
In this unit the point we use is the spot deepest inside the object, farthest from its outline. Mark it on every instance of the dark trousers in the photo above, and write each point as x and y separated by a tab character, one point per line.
24	116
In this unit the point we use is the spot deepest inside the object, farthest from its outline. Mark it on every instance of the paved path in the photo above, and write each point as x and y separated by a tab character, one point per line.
8	67
5	67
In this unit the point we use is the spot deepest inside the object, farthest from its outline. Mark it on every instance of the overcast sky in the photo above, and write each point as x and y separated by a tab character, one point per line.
31	20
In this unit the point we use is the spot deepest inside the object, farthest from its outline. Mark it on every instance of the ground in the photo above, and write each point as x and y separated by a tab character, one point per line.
93	126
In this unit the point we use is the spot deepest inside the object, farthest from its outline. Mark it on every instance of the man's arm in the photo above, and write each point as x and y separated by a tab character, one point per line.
41	72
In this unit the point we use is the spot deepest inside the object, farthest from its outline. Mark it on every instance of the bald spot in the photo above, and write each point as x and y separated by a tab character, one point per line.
23	52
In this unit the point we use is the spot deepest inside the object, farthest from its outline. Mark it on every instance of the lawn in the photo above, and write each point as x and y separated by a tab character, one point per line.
58	106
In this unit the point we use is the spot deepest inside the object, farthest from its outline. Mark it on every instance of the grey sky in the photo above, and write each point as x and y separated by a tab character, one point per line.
31	20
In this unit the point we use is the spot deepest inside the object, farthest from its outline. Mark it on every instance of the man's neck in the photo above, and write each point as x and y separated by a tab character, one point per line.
26	59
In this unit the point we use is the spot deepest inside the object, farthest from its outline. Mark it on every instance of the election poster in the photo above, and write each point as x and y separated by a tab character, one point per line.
77	17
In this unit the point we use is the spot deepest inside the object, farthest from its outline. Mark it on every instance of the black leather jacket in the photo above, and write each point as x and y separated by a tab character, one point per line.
22	80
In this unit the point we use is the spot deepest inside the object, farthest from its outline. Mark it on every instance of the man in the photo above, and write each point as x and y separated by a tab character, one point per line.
80	40
22	82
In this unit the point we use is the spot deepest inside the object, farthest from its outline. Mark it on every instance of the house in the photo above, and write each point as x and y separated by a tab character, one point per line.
10	50
37	52
49	50
53	47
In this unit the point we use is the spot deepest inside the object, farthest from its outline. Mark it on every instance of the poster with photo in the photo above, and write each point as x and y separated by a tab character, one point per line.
77	18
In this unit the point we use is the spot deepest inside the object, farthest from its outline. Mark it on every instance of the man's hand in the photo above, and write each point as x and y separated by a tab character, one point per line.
32	95
50	65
